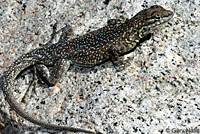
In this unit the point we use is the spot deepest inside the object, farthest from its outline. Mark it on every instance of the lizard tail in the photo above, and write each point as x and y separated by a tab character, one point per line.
22	63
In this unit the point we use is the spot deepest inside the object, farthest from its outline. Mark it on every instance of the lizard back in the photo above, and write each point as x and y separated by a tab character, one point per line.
93	48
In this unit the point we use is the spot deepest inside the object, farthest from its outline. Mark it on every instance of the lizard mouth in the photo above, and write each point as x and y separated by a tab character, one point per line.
167	18
156	24
161	22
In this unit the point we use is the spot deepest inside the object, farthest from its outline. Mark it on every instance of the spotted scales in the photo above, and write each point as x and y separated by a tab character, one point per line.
93	48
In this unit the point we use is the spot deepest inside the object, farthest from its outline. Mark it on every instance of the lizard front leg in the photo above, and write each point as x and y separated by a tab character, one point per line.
115	58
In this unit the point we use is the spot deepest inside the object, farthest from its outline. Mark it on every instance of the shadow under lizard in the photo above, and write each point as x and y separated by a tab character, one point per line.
93	48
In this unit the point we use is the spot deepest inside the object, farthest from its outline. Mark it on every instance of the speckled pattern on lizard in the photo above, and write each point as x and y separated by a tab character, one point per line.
106	43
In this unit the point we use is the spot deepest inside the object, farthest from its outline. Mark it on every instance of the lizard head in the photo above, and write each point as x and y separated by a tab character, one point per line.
148	20
156	16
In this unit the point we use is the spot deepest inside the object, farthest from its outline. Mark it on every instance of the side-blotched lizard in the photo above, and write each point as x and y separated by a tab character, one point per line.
106	43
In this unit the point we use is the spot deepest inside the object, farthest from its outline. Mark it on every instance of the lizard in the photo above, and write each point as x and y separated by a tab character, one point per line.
88	50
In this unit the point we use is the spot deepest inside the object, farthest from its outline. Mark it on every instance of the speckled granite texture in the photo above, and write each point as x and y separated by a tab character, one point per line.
158	93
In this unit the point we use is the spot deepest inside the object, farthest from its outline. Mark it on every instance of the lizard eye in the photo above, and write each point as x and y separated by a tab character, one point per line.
157	16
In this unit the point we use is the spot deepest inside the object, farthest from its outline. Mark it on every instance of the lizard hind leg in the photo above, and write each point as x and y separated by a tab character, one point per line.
40	69
67	33
48	76
31	86
53	75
